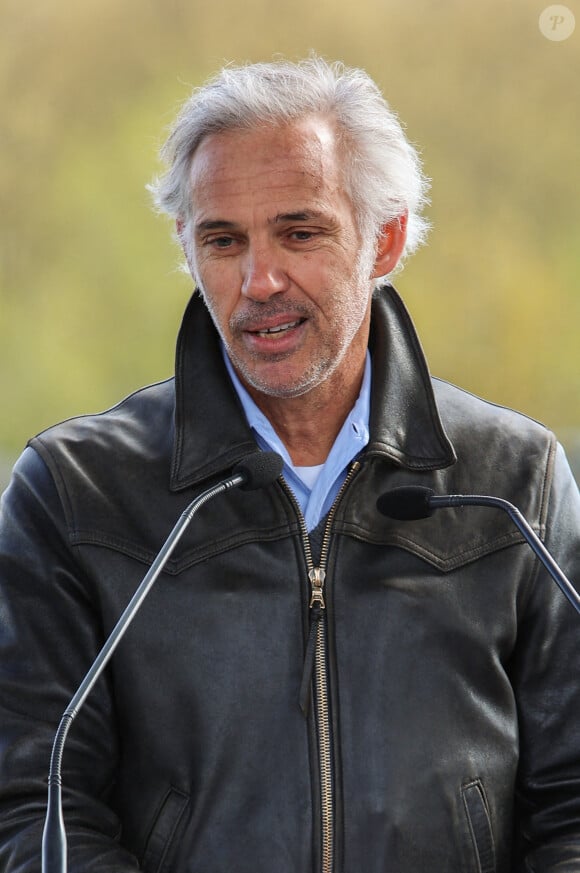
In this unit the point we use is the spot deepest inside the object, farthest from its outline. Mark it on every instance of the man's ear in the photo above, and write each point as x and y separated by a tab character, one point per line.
390	246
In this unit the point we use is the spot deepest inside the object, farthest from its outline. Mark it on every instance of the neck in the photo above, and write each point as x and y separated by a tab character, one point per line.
308	425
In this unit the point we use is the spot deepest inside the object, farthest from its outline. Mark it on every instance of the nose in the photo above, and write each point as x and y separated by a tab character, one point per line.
262	273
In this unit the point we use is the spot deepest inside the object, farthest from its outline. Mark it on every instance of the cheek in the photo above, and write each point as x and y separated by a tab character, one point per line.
351	306
219	286
319	278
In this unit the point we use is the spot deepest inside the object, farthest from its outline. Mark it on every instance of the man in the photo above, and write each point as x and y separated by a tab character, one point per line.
310	686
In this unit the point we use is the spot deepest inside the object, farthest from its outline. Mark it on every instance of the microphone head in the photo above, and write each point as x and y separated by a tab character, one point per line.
407	503
259	470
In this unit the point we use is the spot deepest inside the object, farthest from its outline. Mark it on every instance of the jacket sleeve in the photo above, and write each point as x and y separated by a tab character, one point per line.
49	635
546	676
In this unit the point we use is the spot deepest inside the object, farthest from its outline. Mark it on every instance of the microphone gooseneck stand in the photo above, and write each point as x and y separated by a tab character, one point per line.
255	471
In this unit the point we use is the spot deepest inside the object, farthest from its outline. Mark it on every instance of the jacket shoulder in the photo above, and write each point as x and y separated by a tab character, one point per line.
499	451
471	420
106	456
140	417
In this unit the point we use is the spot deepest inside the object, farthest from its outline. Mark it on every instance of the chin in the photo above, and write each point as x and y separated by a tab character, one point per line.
283	380
288	387
278	389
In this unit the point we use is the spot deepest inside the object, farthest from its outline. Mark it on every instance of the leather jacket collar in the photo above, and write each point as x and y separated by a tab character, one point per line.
405	426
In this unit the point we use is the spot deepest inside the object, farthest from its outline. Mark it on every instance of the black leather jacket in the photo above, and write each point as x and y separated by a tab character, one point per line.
443	730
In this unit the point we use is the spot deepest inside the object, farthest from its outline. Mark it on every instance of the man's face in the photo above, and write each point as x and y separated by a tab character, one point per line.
274	246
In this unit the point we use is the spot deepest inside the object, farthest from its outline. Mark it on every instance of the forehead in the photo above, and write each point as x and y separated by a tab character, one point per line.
301	160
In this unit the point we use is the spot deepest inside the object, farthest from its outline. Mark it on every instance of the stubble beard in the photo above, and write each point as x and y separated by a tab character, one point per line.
328	355
328	359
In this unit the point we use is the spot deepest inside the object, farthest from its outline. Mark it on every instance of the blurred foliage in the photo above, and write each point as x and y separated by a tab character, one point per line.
90	293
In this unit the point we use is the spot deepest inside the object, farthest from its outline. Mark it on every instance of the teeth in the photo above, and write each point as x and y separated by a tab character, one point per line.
279	329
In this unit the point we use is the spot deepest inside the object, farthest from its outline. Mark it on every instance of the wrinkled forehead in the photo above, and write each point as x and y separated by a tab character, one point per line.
307	149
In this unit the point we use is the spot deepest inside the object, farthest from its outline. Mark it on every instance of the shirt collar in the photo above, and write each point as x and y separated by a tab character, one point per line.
314	501
354	432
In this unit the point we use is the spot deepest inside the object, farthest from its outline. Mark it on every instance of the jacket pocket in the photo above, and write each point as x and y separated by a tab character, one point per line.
165	827
476	808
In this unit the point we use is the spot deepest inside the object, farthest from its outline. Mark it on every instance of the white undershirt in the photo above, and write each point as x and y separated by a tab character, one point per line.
309	475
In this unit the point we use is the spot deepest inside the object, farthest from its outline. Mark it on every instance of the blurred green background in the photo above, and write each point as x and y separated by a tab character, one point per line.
90	292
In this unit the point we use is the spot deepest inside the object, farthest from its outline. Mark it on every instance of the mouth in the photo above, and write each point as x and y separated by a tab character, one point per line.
274	337
278	329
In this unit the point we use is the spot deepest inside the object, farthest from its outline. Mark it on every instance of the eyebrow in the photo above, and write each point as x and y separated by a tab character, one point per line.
306	215
216	224
281	218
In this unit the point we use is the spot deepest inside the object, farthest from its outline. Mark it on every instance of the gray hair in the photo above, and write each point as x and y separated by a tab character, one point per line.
383	174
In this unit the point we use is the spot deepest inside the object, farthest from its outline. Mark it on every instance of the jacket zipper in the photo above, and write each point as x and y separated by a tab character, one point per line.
316	663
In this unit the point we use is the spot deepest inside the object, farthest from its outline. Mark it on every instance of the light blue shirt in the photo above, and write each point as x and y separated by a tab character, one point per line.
315	498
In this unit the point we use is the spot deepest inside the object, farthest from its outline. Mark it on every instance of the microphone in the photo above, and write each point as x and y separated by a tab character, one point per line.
413	502
253	472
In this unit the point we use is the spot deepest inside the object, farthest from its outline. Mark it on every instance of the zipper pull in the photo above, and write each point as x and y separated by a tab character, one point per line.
309	658
317	576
